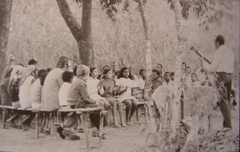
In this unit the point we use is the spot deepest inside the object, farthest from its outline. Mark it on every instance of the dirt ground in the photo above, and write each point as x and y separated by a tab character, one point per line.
128	139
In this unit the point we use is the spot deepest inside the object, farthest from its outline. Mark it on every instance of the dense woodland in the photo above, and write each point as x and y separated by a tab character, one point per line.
37	30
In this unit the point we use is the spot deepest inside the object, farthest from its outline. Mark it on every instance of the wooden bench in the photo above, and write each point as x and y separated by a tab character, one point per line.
52	117
4	110
81	116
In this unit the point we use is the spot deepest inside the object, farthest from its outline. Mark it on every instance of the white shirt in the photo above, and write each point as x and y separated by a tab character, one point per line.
223	60
122	83
141	83
92	88
63	94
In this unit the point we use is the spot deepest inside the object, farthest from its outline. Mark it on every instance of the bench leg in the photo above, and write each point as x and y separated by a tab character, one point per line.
101	128
37	124
52	117
209	124
137	114
4	117
83	119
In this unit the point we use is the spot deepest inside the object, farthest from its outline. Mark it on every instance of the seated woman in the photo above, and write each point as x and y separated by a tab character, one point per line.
107	85
78	96
93	87
125	84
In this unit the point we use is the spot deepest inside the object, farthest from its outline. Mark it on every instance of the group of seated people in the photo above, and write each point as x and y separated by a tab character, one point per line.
69	86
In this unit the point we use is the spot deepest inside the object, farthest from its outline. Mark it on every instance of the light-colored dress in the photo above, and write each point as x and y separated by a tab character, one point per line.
24	93
123	83
51	88
36	92
92	88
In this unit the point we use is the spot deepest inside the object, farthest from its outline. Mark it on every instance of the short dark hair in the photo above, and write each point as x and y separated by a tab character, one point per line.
141	70
159	64
75	71
172	74
167	73
40	72
157	71
194	74
32	62
67	76
220	39
43	77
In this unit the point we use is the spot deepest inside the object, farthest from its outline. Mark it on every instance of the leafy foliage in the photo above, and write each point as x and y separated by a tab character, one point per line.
208	11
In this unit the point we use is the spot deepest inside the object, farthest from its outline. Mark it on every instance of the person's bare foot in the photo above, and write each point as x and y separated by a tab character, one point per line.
124	125
23	126
117	125
11	122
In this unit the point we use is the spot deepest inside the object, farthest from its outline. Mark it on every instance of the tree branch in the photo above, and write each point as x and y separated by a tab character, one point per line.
70	20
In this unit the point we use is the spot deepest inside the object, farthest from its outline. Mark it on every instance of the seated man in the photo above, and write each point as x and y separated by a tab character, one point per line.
156	79
78	96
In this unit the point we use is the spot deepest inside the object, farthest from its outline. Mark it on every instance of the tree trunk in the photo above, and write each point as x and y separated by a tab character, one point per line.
147	41
176	109
85	44
82	35
5	17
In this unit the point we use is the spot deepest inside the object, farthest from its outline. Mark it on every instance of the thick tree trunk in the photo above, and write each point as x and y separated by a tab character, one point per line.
85	44
5	17
82	35
148	52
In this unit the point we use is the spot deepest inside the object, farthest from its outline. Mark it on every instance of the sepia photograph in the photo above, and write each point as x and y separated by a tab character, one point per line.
119	75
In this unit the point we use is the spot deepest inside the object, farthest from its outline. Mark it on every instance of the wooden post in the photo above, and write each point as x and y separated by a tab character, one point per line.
4	117
100	127
137	113
83	119
52	123
209	124
37	124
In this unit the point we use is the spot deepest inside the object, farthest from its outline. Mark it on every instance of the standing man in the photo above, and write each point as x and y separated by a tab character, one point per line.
223	65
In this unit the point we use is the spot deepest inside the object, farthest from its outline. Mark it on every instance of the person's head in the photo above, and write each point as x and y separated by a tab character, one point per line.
64	63
40	72
184	66
155	74
107	74
93	72
172	76
30	70
43	77
219	41
158	67
16	72
117	72
10	60
142	73
67	76
106	67
188	70
83	71
124	73
167	76
194	77
113	66
33	62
